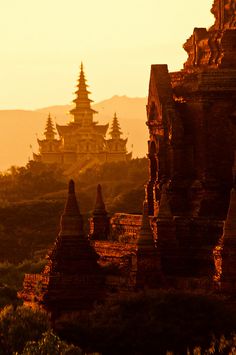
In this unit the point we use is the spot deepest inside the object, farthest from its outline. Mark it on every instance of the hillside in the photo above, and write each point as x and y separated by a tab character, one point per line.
33	197
19	128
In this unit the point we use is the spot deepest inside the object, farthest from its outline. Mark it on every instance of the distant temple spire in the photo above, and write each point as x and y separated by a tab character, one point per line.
83	113
49	130
115	131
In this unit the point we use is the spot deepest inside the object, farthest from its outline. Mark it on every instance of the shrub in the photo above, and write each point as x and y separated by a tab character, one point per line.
19	325
50	344
152	323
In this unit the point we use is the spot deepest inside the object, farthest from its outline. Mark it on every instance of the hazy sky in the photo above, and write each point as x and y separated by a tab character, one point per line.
44	41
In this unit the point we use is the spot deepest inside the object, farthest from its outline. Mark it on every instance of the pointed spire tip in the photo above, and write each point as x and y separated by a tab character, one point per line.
99	204
71	189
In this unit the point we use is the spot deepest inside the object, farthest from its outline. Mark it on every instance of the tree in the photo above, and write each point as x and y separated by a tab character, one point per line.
153	323
50	344
19	325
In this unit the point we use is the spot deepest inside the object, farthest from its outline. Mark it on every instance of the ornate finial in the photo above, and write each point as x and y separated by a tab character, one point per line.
49	130
99	207
82	112
115	128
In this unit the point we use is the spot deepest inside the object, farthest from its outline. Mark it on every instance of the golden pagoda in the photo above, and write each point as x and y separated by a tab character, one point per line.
82	142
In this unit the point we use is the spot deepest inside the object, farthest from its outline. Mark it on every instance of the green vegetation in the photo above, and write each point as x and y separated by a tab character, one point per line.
160	322
19	325
33	198
153	323
40	181
50	344
28	229
11	279
149	323
122	184
33	180
24	331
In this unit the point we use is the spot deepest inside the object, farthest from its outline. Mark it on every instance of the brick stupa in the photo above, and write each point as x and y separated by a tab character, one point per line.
71	280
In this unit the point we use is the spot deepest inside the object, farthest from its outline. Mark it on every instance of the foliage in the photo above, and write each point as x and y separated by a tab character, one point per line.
37	179
135	170
19	325
28	229
223	346
12	275
29	225
129	201
122	185
30	181
8	295
50	344
11	279
152	323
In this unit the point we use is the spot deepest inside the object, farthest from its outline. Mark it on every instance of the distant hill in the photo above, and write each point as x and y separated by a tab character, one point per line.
19	128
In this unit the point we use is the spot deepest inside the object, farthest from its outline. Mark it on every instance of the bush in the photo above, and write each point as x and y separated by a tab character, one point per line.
11	279
50	344
19	325
152	323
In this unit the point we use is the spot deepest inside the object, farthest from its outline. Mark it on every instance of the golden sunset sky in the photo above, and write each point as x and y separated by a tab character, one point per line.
44	41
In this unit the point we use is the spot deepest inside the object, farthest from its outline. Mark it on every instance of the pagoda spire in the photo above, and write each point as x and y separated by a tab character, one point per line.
148	267
164	207
146	234
83	113
49	130
100	222
99	207
72	279
115	131
71	219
